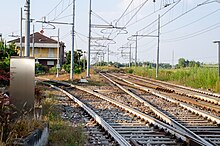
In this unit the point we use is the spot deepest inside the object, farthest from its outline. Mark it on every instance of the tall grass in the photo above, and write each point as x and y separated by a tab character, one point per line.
205	78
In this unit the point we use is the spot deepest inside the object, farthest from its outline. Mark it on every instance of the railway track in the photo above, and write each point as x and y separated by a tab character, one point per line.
76	116
177	87
126	125
196	123
182	90
201	101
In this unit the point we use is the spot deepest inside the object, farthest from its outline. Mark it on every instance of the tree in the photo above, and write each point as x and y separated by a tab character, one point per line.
186	63
78	62
5	54
181	63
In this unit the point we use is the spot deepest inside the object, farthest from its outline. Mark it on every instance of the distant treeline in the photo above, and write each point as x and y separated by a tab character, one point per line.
182	63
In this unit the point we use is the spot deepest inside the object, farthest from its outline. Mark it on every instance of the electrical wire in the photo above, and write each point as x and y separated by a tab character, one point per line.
194	34
181	15
160	16
54	8
101	18
81	38
62	11
191	22
124	12
155	21
64	17
130	19
150	14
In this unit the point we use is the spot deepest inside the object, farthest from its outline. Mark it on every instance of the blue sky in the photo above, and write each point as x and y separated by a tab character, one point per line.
190	36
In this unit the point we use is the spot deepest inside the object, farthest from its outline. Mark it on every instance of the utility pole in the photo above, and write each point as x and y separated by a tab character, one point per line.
58	52
158	47
218	42
130	57
136	49
173	59
127	53
72	51
108	54
90	21
84	60
21	33
27	29
33	42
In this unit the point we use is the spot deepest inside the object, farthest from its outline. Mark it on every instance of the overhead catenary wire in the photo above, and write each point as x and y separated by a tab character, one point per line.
160	16
101	18
151	14
124	12
54	8
155	21
62	11
194	34
78	35
181	15
131	18
191	22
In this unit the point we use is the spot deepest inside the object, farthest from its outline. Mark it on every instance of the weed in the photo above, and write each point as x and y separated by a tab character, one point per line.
60	131
62	134
196	77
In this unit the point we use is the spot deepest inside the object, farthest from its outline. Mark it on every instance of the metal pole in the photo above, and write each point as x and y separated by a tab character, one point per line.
103	57
136	50
58	53
84	60
218	42
158	47
21	34
219	59
130	57
108	54
173	60
33	42
90	21
72	51
27	29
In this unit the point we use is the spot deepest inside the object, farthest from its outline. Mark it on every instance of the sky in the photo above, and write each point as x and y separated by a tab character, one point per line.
188	28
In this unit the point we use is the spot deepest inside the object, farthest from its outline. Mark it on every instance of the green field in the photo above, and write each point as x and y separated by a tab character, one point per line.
197	77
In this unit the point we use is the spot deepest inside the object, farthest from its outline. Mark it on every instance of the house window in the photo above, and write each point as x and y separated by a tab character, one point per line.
50	62
51	53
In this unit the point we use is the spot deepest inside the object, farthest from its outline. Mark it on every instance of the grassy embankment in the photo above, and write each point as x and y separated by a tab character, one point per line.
205	78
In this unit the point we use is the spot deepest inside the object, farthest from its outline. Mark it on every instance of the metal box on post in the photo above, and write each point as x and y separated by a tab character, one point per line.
22	82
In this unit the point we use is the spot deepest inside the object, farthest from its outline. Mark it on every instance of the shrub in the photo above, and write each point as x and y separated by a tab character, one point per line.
40	69
130	71
53	70
4	78
66	67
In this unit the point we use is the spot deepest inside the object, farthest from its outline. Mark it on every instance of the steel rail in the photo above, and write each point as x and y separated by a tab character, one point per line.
180	86
166	127
211	99
197	111
121	140
166	118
